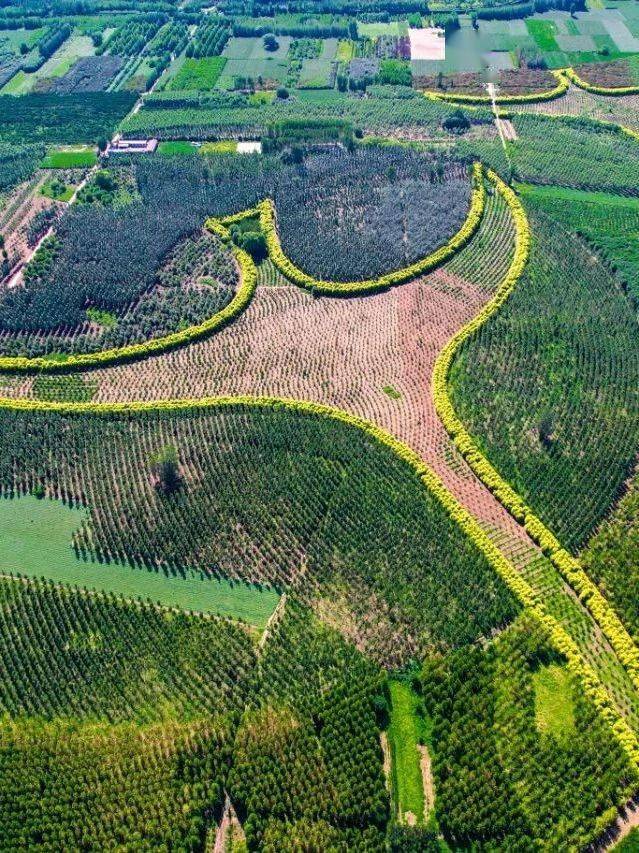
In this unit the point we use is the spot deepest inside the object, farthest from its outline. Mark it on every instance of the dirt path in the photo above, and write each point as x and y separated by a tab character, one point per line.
14	279
627	820
427	781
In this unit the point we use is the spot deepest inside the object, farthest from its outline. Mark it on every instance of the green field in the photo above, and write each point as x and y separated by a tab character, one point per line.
81	158
407	730
49	191
35	540
198	74
554	704
75	47
178	147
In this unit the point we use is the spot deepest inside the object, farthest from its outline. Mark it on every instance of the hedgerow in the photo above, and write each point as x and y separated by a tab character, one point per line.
560	89
549	544
321	505
131	241
195	282
294	274
482	702
613	91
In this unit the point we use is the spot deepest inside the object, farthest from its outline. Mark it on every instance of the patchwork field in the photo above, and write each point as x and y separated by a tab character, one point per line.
319	428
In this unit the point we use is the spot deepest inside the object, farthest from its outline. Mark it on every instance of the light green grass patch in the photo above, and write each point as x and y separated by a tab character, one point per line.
629	844
391	392
55	191
258	98
65	158
372	31
35	540
345	50
222	146
105	319
199	75
554	703
19	84
407	730
543	32
176	147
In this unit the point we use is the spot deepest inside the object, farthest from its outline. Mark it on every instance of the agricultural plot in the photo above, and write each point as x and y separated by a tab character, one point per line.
198	74
91	74
570	353
37	540
318	502
57	66
384	109
248	58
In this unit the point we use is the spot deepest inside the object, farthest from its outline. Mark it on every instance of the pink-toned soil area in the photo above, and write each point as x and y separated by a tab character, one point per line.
341	352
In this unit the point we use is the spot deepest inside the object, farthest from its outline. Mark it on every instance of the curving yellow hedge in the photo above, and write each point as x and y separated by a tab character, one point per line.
524	593
248	281
563	84
154	346
568	566
350	288
614	91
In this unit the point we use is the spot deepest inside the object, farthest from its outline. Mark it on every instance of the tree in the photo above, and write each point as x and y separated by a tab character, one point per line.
102	143
457	120
282	93
24	48
342	82
545	429
352	30
270	42
166	473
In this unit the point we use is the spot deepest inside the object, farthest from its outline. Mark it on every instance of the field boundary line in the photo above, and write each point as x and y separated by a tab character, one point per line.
154	346
608	91
219	226
268	222
563	84
569	567
520	588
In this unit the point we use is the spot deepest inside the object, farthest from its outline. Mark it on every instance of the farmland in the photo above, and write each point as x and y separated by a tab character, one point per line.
319	425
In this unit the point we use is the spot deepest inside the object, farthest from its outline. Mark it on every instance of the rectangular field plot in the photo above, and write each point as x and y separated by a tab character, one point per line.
35	540
316	74
268	69
253	49
198	74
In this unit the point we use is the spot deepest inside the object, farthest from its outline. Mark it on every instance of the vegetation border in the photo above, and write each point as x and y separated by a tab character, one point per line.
565	563
268	222
154	346
563	84
524	593
248	282
614	91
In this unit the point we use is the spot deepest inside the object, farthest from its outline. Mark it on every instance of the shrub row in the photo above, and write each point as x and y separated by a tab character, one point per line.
457	513
346	288
563	83
154	346
574	78
569	568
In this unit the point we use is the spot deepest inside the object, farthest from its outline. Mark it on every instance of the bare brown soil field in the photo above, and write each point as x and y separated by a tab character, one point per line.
612	75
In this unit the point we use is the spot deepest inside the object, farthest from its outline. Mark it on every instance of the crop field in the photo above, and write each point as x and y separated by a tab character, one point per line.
319	427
